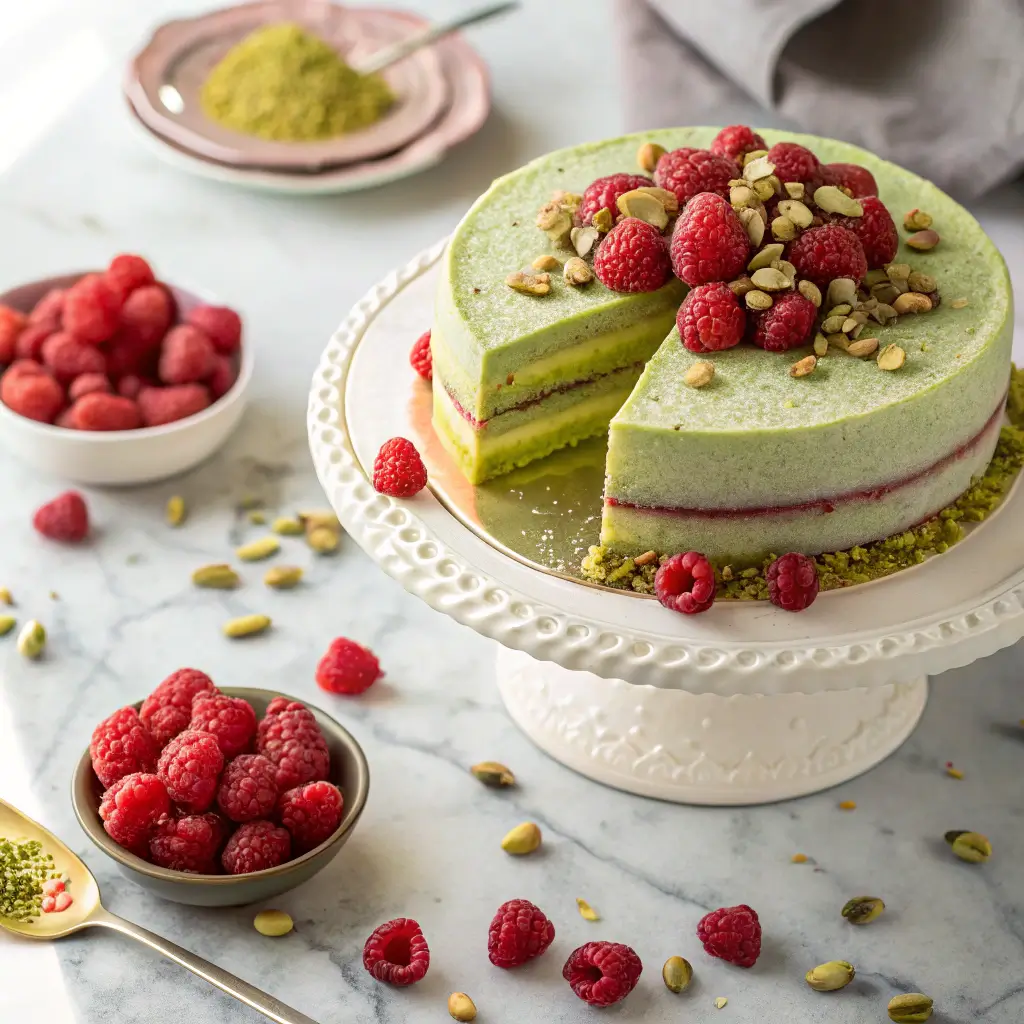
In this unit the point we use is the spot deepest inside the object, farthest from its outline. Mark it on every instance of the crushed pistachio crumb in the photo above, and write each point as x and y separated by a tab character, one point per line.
23	870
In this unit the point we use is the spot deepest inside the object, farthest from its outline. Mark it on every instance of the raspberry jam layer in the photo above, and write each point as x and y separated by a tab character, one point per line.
824	505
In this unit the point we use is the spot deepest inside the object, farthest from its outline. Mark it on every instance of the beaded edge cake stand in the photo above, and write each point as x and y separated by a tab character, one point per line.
744	704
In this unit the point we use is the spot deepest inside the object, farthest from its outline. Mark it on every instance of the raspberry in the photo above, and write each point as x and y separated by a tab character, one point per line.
795	163
398	469
256	846
189	766
420	357
230	720
787	324
221	325
875	230
167	405
50	308
735	142
126	355
248	788
25	367
709	243
146	316
397	952
710	318
66	518
347	667
92	309
100	411
688	172
131	807
830	251
602	973
121	745
187	356
732	934
603	194
222	378
127	272
859	180
792	582
130	385
88	384
290	737
519	931
190	843
11	325
311	813
632	258
66	357
168	709
29	343
37	396
686	583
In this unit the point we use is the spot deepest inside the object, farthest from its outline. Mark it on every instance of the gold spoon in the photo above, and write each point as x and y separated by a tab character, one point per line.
88	912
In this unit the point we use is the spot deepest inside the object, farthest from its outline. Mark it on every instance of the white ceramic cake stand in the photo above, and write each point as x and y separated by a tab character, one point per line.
743	704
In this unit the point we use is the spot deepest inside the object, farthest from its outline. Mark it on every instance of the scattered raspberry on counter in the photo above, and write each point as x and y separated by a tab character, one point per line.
131	807
632	257
66	518
792	582
602	973
732	934
168	709
686	583
121	745
420	357
230	720
398	470
519	932
189	767
248	788
311	813
397	952
256	846
190	843
347	668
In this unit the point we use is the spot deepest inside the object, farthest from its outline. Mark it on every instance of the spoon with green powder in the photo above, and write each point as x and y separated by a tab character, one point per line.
30	857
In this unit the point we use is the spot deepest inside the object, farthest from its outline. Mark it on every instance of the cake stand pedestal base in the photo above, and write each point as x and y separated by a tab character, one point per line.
703	748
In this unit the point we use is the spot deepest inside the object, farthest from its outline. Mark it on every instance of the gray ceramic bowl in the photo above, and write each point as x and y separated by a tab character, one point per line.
349	772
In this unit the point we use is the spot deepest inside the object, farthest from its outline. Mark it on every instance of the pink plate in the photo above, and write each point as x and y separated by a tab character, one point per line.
469	104
164	84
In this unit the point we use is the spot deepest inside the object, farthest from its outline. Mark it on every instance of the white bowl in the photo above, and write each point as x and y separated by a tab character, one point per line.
119	457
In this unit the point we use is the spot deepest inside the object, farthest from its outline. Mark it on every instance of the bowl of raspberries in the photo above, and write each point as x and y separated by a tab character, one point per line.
114	377
219	797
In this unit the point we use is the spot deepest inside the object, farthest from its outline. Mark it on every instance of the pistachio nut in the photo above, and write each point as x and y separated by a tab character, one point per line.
493	773
287	526
797	212
770	280
701	373
545	262
667	199
810	291
783	229
910	1008
529	284
584	239
754	154
323	540
577	272
892	357
923	241
886	293
757	168
175	512
876	276
833	200
972	847
31	639
273	923
863	909
820	345
795	189
216	577
917	220
803	367
753	224
676	973
840	311
603	220
5	594
7	623
919	282
764	257
841	290
741	196
643	206
721	1002
568	200
257	550
955	304
741	286
461	1007
648	155
587	912
758	299
283	577
863	347
766	188
319	517
841	342
246	625
521	840
555	221
832	324
830	977
911	302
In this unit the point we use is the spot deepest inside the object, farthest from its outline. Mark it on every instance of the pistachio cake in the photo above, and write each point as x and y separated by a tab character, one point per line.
779	368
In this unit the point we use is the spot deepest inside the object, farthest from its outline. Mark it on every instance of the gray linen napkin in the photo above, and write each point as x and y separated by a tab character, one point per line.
935	85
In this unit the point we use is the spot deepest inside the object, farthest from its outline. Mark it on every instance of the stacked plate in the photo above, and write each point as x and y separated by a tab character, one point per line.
442	91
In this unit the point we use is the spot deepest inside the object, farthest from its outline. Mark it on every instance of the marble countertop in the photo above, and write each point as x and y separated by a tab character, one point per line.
74	189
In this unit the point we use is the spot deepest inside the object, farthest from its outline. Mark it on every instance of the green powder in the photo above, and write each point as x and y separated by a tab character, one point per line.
284	84
23	870
860	564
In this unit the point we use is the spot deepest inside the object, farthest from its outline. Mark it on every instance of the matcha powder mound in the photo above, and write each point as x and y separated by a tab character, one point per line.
284	84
